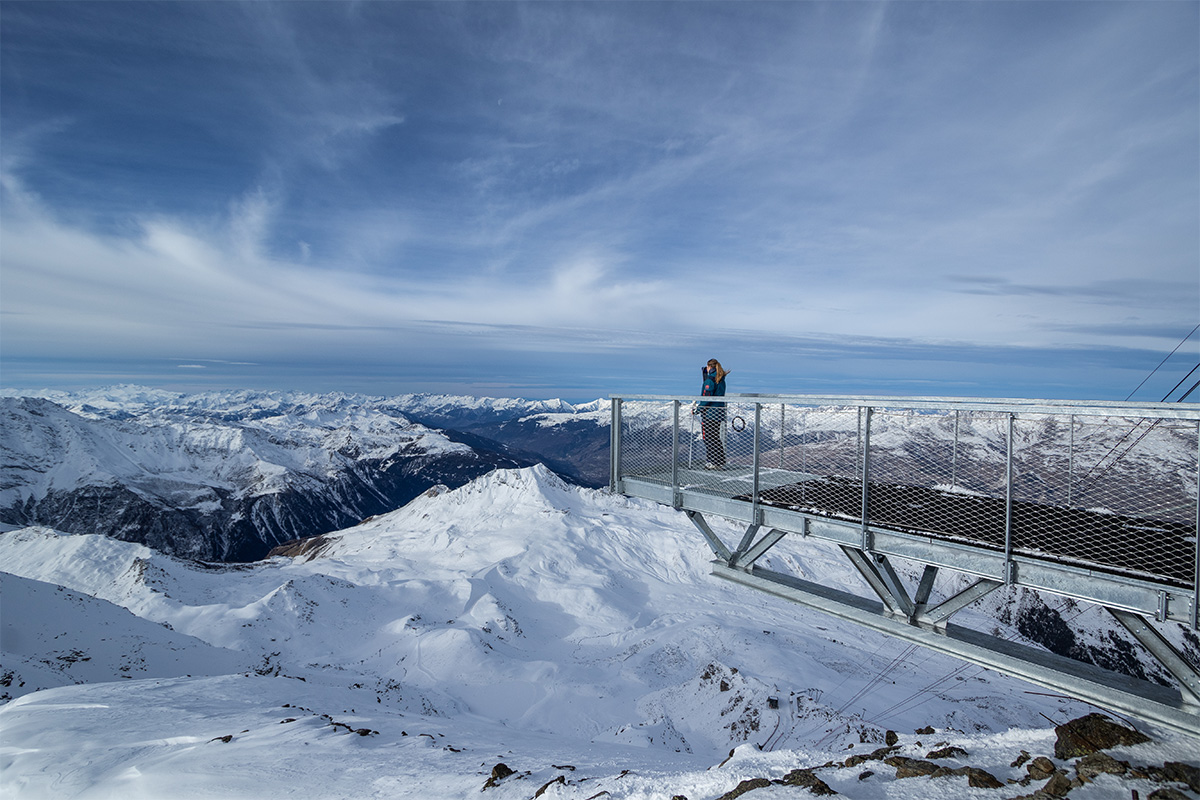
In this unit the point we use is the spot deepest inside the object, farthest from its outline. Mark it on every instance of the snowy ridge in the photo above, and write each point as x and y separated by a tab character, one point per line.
242	449
125	400
515	619
61	637
219	477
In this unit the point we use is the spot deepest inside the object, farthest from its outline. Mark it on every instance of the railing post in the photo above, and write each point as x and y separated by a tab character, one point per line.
865	435
954	456
675	454
691	438
804	443
614	447
782	431
757	448
858	446
1071	461
1008	503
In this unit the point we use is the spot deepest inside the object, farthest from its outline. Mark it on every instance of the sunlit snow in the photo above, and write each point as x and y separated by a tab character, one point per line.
564	632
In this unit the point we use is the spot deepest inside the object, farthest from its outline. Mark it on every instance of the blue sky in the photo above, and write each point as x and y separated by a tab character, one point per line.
577	199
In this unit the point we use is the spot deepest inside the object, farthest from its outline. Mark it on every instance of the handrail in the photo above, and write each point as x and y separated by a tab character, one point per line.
1152	410
1087	473
1097	501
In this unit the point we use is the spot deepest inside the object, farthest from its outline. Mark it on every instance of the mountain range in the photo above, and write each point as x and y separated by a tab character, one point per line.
227	476
451	608
517	636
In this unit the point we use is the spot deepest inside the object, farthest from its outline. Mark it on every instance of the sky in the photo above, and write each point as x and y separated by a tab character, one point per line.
574	200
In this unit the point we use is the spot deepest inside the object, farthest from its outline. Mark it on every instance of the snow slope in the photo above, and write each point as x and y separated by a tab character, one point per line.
562	631
54	637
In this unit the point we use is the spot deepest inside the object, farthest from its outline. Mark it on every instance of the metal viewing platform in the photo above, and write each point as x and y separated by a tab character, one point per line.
1093	501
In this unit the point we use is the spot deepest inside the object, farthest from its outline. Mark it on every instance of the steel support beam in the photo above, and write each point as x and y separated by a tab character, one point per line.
880	576
744	544
936	617
769	540
1166	654
925	587
1158	704
715	544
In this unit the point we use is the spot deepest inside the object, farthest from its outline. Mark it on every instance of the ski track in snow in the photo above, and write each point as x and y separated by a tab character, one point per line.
515	619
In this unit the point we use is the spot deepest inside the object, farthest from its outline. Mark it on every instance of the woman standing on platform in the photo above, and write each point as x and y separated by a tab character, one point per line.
712	415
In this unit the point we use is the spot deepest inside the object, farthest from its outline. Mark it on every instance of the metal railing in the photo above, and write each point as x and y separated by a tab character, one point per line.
1107	487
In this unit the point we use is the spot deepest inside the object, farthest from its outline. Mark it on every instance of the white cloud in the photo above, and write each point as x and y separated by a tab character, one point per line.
967	173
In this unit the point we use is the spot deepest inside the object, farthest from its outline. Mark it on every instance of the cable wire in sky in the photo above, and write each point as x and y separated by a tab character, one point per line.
1148	377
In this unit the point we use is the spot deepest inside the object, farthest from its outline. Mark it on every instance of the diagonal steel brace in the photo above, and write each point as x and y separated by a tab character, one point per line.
1165	652
748	557
935	618
880	576
715	544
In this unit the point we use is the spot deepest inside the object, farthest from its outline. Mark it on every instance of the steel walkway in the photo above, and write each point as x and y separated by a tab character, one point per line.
1098	502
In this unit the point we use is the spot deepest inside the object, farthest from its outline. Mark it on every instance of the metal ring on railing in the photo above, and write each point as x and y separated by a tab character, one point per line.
733	424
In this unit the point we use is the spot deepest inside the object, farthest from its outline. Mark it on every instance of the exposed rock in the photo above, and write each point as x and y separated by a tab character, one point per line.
499	773
1168	793
947	752
1041	768
311	547
877	755
864	775
806	779
548	784
1058	785
926	731
890	738
1175	772
1091	734
910	767
1095	764
745	786
980	778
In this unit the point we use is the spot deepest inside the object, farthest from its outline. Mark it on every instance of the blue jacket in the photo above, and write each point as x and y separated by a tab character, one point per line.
712	388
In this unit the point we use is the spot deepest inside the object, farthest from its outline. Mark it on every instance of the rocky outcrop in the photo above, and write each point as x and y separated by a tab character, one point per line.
1085	738
1091	734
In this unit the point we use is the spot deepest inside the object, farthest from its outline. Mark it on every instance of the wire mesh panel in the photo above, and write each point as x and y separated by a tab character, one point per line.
720	456
1113	491
1104	491
646	440
816	455
940	473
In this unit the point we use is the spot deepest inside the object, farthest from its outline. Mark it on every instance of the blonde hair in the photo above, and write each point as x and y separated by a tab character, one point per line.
719	372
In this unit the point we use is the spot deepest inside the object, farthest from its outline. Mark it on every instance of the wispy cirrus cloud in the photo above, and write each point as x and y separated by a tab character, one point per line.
249	182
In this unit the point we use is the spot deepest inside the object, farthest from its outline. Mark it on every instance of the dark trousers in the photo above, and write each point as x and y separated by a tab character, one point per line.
710	427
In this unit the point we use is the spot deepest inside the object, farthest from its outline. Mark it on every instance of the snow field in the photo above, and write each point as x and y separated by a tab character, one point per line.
515	620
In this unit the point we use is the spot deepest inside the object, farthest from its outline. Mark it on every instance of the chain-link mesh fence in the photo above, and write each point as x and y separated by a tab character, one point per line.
1114	492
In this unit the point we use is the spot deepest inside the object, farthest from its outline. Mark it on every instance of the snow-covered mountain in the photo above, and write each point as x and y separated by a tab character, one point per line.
571	635
571	439
222	476
229	475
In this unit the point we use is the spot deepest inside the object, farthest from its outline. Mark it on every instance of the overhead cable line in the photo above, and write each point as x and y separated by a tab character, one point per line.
1189	391
1138	424
1151	375
1181	380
